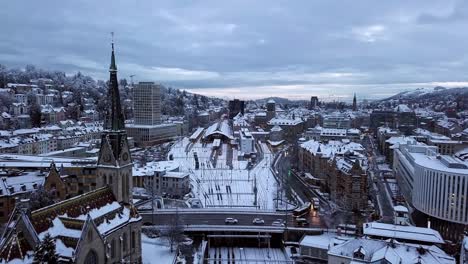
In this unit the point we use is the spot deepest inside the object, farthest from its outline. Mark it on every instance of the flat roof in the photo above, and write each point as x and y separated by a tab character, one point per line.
412	233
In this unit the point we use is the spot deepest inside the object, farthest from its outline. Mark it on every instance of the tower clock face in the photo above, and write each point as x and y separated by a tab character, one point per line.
125	156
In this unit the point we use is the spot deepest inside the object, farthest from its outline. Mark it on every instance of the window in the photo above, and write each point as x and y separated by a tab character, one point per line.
113	248
91	258
133	239
124	246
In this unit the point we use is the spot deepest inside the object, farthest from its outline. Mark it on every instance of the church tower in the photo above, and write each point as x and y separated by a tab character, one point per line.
114	167
354	103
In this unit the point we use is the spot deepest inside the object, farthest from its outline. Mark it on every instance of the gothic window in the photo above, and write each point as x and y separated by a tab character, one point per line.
133	239
113	248
91	258
124	241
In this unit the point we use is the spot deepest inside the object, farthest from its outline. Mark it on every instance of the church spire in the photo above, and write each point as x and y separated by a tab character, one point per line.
354	103
114	120
112	65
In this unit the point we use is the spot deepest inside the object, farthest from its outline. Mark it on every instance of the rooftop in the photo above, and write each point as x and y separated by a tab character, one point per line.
404	233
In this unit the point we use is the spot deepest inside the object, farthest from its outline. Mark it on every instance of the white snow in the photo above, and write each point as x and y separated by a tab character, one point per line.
246	255
222	186
155	250
426	235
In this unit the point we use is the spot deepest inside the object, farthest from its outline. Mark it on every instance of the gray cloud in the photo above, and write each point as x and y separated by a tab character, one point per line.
247	48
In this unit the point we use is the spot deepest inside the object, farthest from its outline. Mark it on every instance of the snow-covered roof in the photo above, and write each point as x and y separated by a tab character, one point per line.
331	148
396	141
221	127
377	251
23	183
404	233
323	241
157	166
400	208
425	156
284	121
402	108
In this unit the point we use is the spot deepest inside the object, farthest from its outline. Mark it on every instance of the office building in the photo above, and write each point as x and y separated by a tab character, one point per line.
436	186
236	106
147	104
314	102
147	129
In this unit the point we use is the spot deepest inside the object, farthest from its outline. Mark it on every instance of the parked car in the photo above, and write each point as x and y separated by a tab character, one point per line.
230	221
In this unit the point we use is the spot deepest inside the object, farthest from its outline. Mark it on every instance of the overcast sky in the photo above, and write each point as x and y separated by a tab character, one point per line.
248	49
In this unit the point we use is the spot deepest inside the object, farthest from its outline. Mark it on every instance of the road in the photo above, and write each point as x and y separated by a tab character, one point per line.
294	185
214	217
384	204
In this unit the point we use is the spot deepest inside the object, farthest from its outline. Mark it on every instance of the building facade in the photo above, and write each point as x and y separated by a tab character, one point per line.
147	103
436	186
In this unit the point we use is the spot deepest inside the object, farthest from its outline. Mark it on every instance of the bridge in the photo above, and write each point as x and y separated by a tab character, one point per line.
210	216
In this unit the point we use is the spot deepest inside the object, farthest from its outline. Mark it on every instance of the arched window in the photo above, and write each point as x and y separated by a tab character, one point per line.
133	239
91	258
113	246
125	239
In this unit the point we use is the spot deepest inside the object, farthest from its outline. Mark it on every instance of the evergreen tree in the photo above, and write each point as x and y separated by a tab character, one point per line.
45	251
35	114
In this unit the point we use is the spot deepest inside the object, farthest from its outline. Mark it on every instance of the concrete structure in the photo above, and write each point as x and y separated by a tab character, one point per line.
271	109
314	102
436	186
319	133
341	169
401	117
401	215
147	135
174	184
247	142
147	129
336	120
147	103
292	128
236	106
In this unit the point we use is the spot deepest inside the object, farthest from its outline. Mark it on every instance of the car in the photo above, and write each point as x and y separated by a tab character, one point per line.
258	221
302	222
277	223
230	221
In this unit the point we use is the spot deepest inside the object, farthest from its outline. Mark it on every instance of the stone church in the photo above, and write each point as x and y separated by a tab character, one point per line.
97	226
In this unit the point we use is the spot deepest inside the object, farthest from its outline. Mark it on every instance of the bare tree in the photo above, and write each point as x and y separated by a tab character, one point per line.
174	231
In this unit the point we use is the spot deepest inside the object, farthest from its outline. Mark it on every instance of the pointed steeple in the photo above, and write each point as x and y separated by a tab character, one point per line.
115	119
354	103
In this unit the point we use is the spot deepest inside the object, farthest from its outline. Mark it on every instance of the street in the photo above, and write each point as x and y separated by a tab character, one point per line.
378	190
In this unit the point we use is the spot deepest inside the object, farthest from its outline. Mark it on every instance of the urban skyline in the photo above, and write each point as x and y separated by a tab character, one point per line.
155	171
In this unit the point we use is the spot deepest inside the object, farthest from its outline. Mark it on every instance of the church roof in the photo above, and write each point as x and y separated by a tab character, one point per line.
66	221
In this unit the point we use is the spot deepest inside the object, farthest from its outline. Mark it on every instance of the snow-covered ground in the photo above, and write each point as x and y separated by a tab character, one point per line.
247	255
221	186
155	250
